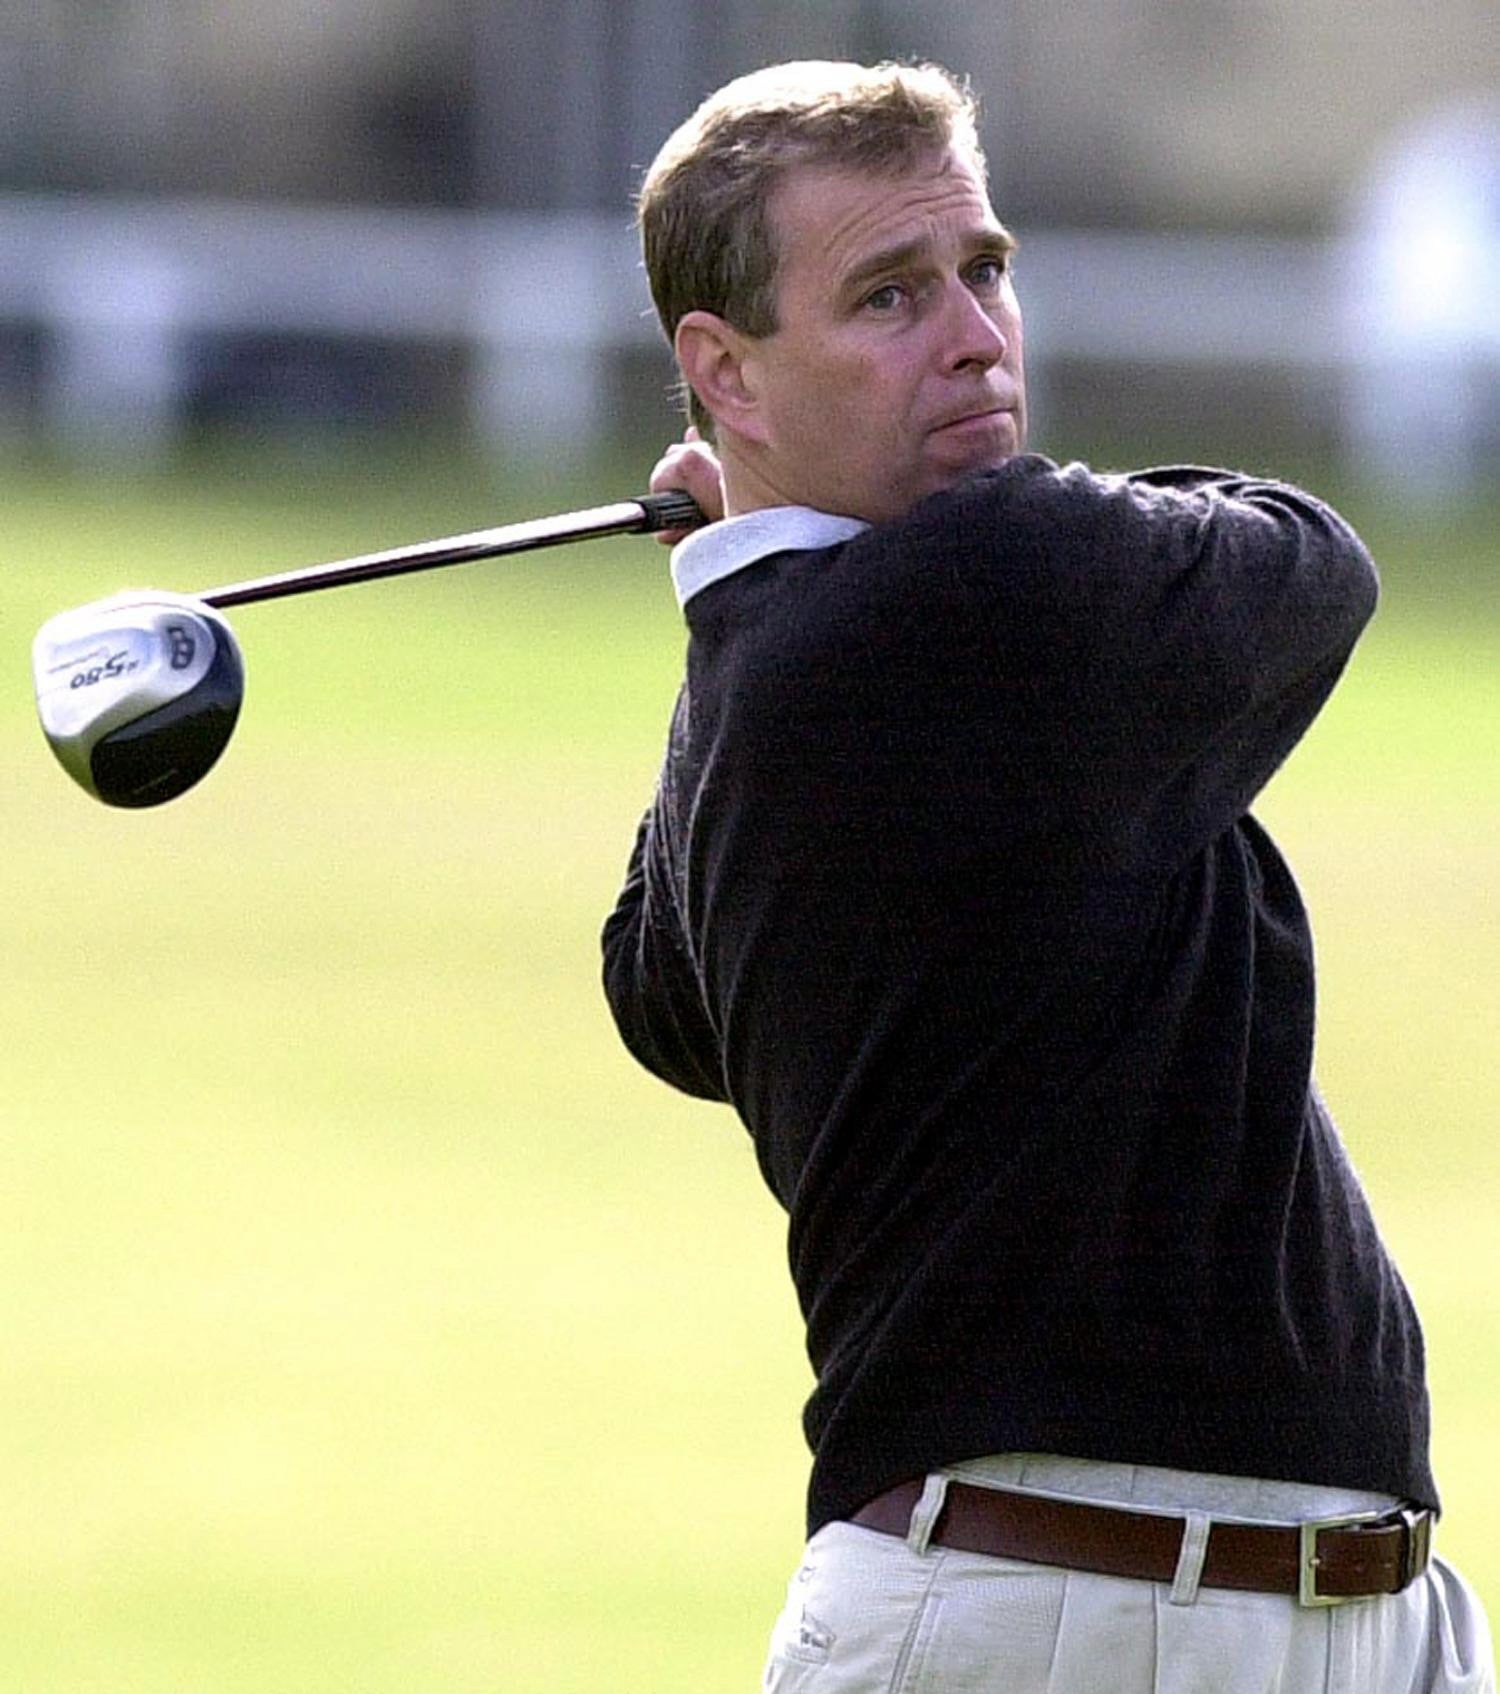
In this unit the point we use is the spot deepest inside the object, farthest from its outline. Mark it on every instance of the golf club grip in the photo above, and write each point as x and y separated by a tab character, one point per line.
645	514
672	510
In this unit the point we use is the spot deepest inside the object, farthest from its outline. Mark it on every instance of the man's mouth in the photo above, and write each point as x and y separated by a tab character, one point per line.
977	422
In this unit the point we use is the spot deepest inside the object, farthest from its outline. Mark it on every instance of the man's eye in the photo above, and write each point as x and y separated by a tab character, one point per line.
886	298
988	273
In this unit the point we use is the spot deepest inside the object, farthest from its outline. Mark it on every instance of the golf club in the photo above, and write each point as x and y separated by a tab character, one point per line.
139	693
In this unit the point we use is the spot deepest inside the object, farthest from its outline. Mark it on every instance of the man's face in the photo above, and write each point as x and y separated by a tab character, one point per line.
896	366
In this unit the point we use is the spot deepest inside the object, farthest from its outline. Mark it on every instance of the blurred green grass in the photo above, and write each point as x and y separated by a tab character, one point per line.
373	1323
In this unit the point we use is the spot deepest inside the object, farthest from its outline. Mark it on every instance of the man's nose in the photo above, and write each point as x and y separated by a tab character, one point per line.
973	335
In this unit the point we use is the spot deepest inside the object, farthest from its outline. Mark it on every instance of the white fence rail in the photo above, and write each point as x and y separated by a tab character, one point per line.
120	287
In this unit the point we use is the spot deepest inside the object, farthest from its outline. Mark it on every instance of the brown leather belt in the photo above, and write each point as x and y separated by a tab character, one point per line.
1323	1562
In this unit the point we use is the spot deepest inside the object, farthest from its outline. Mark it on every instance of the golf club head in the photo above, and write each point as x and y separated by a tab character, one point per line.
138	694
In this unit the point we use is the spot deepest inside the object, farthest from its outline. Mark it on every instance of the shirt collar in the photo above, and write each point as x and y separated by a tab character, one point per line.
719	549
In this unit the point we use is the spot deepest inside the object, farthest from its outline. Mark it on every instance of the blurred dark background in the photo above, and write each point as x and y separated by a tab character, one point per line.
1247	228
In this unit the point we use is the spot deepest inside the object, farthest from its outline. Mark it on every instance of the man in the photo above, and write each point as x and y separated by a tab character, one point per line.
949	887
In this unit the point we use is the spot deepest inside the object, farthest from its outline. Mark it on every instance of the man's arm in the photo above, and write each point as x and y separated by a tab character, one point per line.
649	980
1173	633
1255	598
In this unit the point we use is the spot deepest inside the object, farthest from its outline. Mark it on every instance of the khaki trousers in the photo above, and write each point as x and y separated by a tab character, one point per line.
869	1613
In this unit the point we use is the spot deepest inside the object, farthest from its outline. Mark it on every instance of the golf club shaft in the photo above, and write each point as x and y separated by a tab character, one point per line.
644	514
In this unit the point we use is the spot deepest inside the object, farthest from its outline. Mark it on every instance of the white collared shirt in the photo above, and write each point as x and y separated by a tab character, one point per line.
719	549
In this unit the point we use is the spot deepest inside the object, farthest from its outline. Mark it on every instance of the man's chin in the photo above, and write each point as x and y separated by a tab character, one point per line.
975	444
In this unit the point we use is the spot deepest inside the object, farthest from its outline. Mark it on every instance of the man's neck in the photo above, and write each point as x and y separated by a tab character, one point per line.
750	486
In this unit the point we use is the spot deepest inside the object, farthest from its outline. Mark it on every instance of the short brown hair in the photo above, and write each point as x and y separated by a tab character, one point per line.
704	205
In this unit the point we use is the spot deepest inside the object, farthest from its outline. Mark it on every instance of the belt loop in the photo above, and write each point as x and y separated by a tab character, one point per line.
925	1513
1190	1560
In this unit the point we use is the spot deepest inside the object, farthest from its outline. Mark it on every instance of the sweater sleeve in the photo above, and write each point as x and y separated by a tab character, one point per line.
649	980
1186	626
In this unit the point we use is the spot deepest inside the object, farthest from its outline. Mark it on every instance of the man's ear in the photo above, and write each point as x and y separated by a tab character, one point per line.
711	354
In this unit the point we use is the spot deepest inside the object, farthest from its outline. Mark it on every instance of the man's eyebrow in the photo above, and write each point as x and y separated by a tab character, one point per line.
991	239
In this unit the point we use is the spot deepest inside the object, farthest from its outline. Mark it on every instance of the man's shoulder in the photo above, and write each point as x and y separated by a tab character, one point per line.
1034	481
1036	508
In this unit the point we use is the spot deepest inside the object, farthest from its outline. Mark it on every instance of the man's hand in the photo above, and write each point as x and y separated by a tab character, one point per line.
690	465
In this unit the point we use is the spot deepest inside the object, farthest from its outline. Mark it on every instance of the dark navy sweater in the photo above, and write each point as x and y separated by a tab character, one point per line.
949	887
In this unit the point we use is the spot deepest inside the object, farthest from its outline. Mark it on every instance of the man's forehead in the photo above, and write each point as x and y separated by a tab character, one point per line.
838	212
